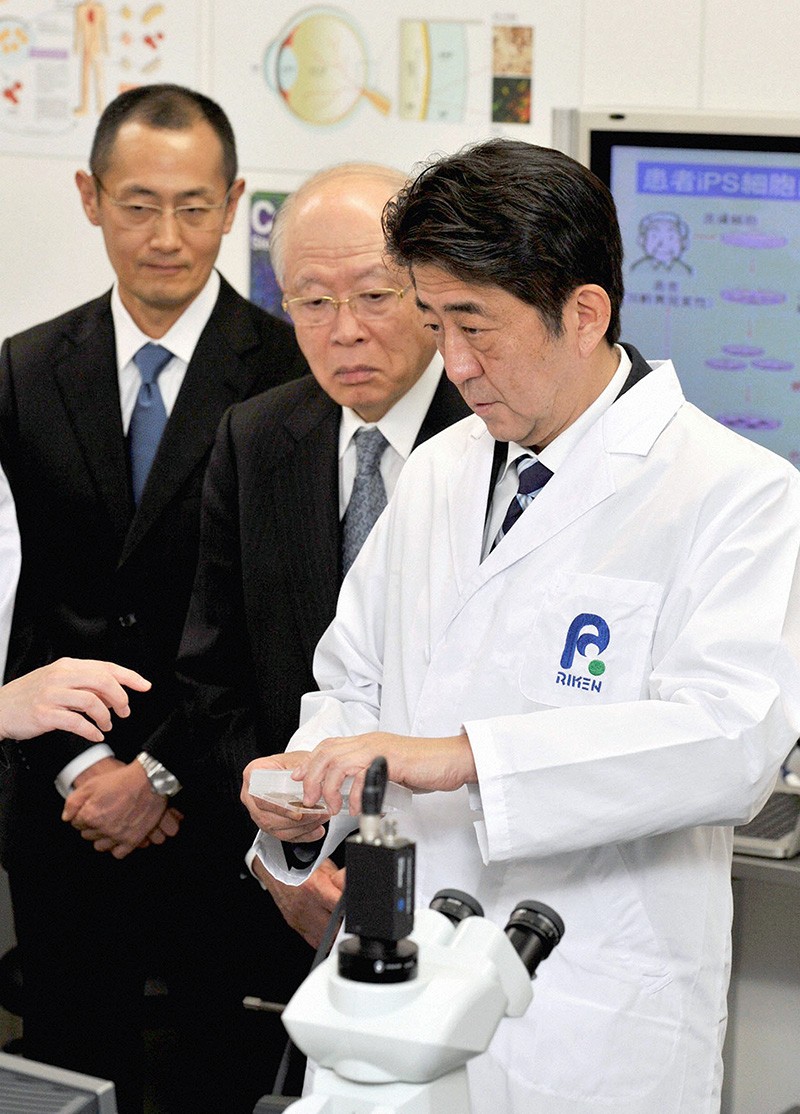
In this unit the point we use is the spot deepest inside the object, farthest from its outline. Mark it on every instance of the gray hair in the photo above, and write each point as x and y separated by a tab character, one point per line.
346	172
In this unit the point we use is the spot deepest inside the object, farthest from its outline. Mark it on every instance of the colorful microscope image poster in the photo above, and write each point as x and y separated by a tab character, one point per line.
388	83
60	64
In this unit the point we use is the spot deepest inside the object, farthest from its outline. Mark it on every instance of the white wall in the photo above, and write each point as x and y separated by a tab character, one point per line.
700	54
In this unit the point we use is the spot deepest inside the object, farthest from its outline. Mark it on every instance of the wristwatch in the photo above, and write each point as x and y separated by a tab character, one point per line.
161	780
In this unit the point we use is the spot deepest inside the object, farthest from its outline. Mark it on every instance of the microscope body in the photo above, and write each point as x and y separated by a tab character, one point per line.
408	998
402	1047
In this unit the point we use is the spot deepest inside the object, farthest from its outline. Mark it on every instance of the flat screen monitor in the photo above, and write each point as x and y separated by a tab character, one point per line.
28	1087
709	208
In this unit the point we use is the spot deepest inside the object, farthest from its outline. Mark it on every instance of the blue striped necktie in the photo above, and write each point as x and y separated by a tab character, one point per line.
533	475
368	497
149	415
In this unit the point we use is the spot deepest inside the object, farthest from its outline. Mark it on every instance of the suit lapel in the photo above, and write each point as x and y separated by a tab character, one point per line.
465	512
87	381
214	380
583	481
585	485
307	513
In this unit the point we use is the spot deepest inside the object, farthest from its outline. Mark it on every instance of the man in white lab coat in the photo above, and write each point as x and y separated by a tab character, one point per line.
591	695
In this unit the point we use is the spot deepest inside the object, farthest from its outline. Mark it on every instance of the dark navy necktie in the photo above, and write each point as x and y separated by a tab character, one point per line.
533	475
149	415
368	497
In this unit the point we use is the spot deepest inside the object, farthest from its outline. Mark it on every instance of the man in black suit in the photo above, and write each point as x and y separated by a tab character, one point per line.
107	569
275	509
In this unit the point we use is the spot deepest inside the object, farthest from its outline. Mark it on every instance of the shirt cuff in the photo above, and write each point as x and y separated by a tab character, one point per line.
266	848
272	852
248	860
64	781
474	797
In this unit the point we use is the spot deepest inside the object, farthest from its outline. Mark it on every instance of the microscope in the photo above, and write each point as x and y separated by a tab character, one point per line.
393	1017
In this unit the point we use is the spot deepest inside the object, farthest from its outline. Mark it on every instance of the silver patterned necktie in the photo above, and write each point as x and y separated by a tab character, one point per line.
533	475
149	415
368	497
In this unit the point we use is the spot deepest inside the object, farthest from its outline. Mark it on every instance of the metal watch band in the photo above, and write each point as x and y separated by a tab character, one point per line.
161	780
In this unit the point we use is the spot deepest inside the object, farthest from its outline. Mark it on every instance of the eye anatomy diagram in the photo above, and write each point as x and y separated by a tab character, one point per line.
333	67
318	65
60	64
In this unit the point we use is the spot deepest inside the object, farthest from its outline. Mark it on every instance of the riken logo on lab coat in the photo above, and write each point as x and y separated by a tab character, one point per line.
591	640
585	631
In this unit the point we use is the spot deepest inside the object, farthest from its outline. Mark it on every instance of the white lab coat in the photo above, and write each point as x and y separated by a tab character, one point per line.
10	563
608	793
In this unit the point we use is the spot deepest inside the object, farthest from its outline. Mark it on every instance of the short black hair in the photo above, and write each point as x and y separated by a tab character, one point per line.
173	107
506	213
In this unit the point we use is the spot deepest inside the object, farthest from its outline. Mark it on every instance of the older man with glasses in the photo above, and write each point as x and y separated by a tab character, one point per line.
107	419
295	482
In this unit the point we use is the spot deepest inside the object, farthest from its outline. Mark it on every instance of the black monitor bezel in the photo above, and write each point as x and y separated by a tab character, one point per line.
603	140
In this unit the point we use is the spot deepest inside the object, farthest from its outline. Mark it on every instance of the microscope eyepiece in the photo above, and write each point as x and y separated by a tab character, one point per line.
456	905
534	929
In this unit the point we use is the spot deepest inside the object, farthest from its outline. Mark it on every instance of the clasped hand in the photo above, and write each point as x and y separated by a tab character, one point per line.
114	806
421	764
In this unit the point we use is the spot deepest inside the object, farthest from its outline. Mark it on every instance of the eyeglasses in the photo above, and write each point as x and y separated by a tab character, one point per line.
199	218
366	305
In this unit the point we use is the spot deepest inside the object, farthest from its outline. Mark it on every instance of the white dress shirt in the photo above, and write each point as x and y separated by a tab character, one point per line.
181	340
10	559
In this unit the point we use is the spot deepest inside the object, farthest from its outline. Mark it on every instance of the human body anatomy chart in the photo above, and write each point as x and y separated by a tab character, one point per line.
60	64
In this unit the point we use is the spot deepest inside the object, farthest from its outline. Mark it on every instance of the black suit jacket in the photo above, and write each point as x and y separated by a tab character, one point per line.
100	578
268	577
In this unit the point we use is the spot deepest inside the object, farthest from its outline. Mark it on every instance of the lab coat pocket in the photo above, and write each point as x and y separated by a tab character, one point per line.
609	1009
591	641
608	1047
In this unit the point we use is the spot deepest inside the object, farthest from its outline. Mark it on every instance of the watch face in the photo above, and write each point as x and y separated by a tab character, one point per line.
166	784
161	780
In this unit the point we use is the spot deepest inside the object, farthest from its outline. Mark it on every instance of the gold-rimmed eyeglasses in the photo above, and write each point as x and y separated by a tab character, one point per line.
366	305
198	218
